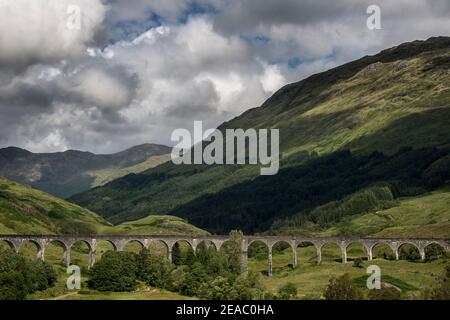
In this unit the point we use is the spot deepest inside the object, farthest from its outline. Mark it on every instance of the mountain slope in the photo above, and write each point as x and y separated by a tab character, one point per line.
24	210
425	216
66	173
383	103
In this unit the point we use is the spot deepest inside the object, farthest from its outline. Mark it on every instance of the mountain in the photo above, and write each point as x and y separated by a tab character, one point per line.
24	210
353	139
66	173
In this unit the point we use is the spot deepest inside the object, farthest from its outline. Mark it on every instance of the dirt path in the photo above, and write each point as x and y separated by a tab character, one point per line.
64	296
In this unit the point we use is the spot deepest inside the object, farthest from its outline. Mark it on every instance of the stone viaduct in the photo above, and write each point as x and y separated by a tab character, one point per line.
119	242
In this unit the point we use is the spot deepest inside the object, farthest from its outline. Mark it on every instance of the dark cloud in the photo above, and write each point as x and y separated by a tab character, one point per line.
138	69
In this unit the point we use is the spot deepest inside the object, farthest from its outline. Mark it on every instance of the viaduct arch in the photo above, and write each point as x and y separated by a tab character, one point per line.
119	242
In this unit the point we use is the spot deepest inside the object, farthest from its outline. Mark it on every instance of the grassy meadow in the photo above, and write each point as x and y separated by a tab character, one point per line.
309	278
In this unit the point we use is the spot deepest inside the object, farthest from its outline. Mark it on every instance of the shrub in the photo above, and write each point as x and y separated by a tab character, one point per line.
20	276
385	293
358	263
442	289
288	291
342	288
116	271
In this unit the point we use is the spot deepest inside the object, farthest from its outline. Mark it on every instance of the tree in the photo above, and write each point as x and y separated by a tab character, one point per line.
287	292
176	254
20	276
233	249
218	289
193	279
154	270
190	258
342	288
247	287
12	286
116	271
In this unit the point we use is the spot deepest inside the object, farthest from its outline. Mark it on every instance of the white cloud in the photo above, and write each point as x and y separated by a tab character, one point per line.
62	88
36	31
96	87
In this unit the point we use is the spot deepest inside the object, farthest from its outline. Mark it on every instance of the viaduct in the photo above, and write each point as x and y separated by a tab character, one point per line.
119	242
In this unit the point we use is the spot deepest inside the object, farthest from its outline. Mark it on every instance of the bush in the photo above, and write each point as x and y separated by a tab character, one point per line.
434	252
385	293
247	287
116	271
342	288
409	252
20	276
442	289
358	263
287	292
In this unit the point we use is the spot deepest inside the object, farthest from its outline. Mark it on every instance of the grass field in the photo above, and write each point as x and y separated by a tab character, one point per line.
312	279
309	278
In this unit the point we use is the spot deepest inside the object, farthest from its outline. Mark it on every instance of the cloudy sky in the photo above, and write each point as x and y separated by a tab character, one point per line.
134	70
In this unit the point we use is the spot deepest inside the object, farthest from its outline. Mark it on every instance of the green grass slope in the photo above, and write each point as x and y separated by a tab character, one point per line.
103	176
423	216
395	99
157	225
24	210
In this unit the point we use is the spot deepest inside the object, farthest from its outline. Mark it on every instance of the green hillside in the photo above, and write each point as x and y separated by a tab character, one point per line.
103	176
24	210
375	106
154	225
424	216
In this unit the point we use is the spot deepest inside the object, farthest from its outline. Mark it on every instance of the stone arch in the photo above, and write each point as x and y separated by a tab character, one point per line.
280	261
206	242
256	242
412	256
260	250
102	246
133	245
351	255
51	248
79	255
251	241
281	241
182	250
89	245
33	241
203	250
9	243
218	244
384	254
160	247
186	241
307	251
434	250
40	249
326	253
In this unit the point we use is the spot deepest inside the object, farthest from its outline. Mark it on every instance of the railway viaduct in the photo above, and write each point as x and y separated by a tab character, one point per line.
119	242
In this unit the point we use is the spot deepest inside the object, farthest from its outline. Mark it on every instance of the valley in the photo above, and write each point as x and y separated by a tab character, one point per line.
365	153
